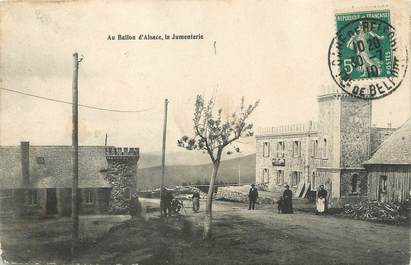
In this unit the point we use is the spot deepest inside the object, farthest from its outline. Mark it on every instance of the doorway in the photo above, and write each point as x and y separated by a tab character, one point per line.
51	205
382	190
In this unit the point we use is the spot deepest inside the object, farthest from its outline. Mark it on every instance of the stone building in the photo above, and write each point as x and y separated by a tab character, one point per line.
37	180
329	151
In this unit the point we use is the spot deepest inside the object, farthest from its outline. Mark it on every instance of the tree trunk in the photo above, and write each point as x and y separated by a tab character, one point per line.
208	216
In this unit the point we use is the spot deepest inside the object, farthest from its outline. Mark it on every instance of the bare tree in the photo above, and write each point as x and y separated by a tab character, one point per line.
211	135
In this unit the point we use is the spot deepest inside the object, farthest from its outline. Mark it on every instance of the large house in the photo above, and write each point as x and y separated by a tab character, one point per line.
331	151
37	180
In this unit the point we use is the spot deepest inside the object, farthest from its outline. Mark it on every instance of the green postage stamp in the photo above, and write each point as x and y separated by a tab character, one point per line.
366	58
366	46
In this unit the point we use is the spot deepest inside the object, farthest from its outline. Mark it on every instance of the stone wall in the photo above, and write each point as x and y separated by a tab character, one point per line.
121	174
355	131
346	183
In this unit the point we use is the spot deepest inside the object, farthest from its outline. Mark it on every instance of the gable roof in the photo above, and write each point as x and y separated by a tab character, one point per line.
56	172
396	150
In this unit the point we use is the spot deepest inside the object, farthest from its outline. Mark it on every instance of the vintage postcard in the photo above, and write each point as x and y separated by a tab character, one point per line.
205	132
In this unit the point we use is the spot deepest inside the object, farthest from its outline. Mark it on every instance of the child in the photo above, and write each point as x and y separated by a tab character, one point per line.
280	203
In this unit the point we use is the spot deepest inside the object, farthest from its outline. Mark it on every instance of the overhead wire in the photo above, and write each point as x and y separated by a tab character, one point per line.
70	103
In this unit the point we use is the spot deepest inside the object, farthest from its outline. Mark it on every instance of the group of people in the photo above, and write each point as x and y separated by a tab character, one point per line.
166	202
285	203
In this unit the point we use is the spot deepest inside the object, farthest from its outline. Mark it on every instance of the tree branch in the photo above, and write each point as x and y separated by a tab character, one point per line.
209	151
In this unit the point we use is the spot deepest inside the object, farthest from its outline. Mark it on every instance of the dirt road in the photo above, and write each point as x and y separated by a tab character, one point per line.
264	236
240	236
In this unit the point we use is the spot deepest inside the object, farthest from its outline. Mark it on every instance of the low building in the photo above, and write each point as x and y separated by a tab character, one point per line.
389	169
330	151
37	180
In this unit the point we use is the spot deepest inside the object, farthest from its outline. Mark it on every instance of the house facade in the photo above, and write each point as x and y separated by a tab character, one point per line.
329	151
37	180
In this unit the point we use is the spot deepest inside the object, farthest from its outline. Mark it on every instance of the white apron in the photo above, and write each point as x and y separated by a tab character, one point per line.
321	205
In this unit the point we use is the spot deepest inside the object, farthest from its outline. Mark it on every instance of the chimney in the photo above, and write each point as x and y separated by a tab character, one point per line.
25	162
389	125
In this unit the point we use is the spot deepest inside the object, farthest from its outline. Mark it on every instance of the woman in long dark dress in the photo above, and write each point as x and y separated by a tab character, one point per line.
288	200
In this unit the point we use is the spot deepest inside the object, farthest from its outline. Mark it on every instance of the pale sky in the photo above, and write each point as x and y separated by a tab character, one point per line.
275	51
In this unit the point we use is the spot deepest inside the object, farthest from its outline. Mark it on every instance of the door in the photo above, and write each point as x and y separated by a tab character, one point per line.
382	189
51	205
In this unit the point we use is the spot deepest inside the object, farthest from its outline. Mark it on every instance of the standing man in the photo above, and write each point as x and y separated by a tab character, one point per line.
165	202
252	196
288	200
321	200
196	201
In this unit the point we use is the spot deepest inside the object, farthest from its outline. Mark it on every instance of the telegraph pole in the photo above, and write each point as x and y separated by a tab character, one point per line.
74	190
239	174
163	154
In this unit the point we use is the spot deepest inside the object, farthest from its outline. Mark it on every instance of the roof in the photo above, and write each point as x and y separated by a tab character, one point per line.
396	149
56	171
379	135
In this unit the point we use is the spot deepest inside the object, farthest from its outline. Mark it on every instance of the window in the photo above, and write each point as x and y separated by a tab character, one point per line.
31	197
280	148
40	160
325	148
383	183
266	149
314	148
296	148
280	177
265	176
295	178
89	196
354	183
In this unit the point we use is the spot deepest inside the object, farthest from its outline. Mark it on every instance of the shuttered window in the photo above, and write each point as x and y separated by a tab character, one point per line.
266	149
296	148
280	149
280	177
265	175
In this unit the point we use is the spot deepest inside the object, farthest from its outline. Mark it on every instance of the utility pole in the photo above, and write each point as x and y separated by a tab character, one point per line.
163	155
74	190
239	174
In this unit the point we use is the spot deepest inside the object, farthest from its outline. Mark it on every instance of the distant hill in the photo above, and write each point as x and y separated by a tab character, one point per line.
188	158
177	174
153	159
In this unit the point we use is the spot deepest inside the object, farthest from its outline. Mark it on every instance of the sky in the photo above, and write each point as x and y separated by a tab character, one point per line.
268	50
